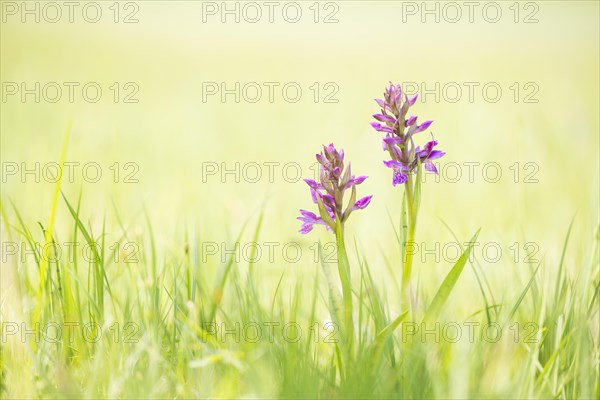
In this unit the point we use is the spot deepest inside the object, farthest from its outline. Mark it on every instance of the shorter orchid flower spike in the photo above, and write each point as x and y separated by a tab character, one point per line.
328	192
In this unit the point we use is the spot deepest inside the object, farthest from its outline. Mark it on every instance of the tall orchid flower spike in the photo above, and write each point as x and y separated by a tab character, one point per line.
400	128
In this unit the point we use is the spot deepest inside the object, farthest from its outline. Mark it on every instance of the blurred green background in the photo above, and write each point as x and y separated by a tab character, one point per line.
171	133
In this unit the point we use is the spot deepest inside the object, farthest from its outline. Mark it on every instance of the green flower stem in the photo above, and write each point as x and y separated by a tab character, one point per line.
411	220
344	271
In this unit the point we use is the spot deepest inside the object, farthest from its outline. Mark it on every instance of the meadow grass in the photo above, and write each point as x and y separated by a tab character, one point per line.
166	326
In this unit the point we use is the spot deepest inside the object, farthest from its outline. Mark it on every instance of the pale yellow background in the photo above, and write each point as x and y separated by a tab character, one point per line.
170	52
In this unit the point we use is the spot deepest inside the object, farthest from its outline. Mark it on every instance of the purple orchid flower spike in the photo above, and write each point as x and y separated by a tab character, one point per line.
400	129
328	193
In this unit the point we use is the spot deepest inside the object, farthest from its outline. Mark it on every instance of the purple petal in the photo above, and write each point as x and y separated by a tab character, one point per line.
380	128
430	145
395	152
362	203
423	126
428	153
399	177
330	149
313	184
391	142
356	180
413	100
308	216
392	164
410	121
328	201
398	95
435	154
384	118
380	102
427	149
305	228
429	166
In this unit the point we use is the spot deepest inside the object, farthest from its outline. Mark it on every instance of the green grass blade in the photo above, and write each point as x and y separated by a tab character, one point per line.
49	229
382	338
523	293
449	282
